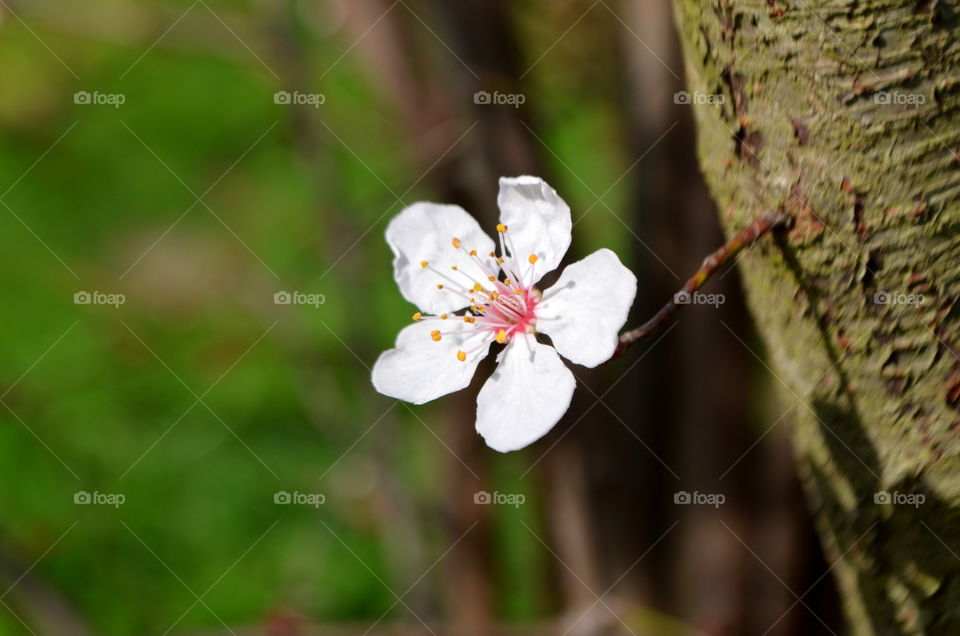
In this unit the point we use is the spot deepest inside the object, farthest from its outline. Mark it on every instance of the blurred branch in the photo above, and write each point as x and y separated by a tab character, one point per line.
742	239
569	516
40	605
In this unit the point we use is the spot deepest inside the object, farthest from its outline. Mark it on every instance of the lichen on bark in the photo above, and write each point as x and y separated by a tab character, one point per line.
846	115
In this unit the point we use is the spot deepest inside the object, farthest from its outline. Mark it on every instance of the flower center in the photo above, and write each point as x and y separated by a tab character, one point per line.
503	304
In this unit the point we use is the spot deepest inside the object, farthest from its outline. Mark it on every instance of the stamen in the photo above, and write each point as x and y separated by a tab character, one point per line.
508	305
499	306
461	356
455	287
420	317
507	263
467	276
532	259
513	267
480	263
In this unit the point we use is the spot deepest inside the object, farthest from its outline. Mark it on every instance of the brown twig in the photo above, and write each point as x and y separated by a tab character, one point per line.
744	238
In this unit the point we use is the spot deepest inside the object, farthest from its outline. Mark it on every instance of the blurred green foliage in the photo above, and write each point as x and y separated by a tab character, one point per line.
113	406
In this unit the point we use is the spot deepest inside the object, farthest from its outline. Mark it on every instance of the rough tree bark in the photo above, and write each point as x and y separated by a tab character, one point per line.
844	113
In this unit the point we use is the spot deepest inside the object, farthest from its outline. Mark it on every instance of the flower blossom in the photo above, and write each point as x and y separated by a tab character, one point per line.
470	294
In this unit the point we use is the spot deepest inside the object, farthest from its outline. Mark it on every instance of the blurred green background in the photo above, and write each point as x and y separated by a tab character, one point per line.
104	399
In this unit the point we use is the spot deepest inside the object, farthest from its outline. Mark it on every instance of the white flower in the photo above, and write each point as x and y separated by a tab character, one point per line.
469	298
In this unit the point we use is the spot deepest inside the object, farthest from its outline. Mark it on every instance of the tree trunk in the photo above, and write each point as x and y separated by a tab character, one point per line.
844	114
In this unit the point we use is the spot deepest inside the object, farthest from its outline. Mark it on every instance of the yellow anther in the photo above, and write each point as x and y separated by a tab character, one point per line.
443	316
435	335
461	356
532	259
456	242
501	227
469	319
453	267
491	278
499	260
424	264
417	316
440	286
501	336
473	252
493	255
519	292
507	282
477	287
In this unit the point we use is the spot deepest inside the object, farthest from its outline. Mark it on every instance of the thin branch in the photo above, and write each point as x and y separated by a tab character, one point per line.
746	237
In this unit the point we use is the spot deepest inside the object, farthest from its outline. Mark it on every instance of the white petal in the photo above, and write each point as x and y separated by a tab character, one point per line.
527	394
538	222
425	232
420	369
584	311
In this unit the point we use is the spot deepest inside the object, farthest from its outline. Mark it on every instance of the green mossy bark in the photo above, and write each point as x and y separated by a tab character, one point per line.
875	191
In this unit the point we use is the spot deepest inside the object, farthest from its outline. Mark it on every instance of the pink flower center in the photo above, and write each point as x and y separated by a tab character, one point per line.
503	304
